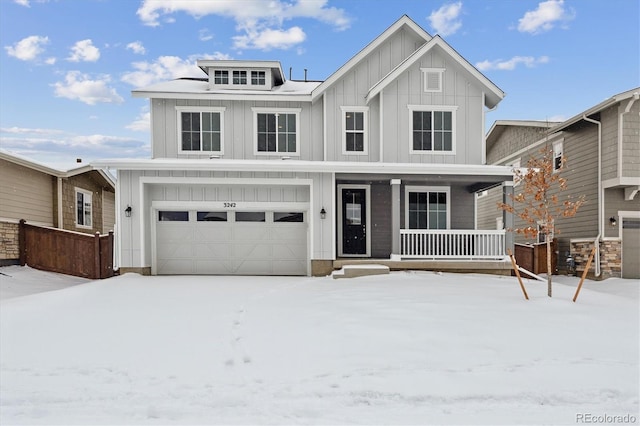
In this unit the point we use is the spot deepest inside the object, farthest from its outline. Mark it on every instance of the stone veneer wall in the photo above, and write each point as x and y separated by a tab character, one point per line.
610	257
9	242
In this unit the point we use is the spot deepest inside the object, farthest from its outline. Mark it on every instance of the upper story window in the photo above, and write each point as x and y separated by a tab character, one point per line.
557	156
354	133
432	79
200	129
258	78
239	77
221	77
427	207
276	131
84	208
432	129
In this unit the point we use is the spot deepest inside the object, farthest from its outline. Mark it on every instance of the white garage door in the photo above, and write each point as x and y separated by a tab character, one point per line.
231	243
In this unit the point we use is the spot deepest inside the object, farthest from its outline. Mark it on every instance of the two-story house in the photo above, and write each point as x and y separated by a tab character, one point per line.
80	199
256	174
602	149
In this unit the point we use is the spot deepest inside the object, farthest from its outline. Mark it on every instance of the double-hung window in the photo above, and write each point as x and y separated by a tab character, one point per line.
354	125
432	129
427	207
200	130
239	77
276	131
84	208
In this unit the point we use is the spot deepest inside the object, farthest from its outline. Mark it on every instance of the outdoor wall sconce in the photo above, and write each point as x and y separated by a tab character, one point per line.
613	221
127	211
323	213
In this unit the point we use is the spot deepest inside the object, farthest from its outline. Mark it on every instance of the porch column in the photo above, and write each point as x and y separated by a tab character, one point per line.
507	218
395	219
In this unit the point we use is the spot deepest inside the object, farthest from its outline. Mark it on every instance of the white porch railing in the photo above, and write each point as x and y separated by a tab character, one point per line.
452	244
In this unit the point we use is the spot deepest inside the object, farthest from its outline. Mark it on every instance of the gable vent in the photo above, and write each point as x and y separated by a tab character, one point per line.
432	79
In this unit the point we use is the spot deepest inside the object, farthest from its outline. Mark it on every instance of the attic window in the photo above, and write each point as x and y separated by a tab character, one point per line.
432	79
221	77
239	77
258	78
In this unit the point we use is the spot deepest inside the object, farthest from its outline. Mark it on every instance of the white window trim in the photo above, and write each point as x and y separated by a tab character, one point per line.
425	79
250	80
181	109
433	108
365	111
558	148
413	188
516	164
266	110
90	195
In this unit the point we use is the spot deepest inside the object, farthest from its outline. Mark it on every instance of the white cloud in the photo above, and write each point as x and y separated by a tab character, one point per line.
545	17
24	3
29	131
50	61
142	123
204	35
81	87
268	39
445	20
258	21
511	64
166	68
84	51
137	47
28	48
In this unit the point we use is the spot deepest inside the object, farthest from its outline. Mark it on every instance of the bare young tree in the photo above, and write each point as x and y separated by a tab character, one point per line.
538	204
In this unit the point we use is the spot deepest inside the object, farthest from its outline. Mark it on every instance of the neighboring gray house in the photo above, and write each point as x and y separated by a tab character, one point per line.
252	173
602	148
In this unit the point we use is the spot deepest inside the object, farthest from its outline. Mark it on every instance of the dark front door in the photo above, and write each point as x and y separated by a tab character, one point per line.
354	221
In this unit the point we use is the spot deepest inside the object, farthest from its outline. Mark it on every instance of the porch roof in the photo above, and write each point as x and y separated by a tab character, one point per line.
292	165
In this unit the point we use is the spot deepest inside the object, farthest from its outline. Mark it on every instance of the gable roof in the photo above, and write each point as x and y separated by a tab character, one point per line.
403	22
499	127
493	93
33	165
635	93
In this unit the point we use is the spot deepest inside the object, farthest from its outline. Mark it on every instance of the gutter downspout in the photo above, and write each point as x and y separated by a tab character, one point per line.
59	192
621	128
600	194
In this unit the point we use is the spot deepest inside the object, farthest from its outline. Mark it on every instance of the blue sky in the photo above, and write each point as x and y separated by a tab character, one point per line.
67	67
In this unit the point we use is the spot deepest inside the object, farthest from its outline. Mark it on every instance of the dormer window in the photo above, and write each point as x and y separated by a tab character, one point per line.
258	78
239	77
221	77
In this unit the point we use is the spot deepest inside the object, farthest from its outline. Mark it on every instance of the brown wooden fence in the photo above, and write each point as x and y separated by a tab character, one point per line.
66	252
533	257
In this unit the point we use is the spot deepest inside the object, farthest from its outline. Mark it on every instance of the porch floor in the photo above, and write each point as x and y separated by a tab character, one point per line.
495	267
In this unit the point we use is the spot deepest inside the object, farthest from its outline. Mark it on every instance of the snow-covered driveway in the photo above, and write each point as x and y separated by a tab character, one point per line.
419	348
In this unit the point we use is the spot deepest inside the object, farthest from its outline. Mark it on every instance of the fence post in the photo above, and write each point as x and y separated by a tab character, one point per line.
96	256
22	243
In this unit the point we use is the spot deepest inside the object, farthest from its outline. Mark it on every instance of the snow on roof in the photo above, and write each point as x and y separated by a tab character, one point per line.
198	87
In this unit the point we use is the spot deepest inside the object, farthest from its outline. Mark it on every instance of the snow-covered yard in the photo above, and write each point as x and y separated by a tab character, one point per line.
404	348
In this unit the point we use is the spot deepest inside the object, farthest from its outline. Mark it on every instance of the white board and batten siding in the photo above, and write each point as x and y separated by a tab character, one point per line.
268	247
238	129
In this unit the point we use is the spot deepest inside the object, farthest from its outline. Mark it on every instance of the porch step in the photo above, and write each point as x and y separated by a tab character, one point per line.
352	271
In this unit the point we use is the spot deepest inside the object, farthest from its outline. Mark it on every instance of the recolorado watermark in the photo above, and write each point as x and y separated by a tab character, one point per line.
589	418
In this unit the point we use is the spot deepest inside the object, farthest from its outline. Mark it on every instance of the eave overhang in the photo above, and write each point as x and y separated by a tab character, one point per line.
290	165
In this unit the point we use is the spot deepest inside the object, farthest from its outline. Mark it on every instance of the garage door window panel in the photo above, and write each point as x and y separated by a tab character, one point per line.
250	216
212	216
173	216
288	217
